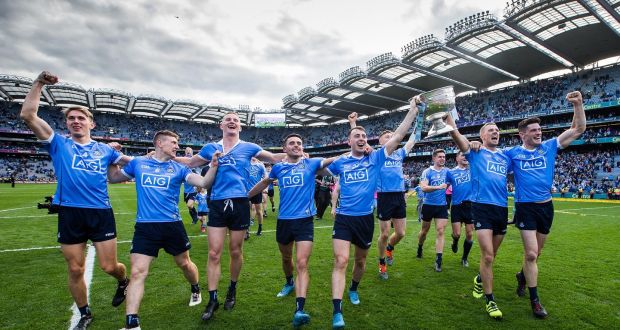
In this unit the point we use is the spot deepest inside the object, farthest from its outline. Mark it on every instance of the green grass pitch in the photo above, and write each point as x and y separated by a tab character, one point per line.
579	280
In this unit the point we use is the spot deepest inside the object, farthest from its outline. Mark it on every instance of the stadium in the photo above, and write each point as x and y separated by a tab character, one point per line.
504	69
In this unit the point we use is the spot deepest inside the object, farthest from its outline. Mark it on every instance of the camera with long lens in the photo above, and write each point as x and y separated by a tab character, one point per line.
48	204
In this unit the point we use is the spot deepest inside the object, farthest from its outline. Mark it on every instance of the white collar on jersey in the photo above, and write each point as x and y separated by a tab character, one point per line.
221	142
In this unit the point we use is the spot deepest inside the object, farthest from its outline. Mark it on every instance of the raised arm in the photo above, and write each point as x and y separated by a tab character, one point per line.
28	114
353	119
402	129
461	141
410	142
192	162
579	120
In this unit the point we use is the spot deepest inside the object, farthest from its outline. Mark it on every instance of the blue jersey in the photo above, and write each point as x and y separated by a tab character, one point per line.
270	186
201	199
488	176
231	178
391	178
435	178
188	188
533	170
358	181
296	182
460	180
255	173
81	170
158	185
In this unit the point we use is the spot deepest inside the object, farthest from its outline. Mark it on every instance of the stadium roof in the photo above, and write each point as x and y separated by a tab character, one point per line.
479	51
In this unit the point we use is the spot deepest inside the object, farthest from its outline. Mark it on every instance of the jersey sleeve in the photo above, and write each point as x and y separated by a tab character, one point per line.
253	149
273	174
115	155
402	152
334	167
317	163
207	151
129	170
51	144
185	172
449	178
553	144
424	176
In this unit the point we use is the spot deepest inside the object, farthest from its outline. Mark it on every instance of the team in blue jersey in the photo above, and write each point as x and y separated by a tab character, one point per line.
533	164
459	178
238	180
391	204
158	220
433	183
85	213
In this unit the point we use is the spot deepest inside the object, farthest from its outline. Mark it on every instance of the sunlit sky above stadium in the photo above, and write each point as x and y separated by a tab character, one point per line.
230	52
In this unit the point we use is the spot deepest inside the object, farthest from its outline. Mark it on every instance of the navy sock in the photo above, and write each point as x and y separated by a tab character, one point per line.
478	279
533	293
489	297
439	257
212	295
337	305
260	227
354	285
300	302
132	321
195	288
289	280
381	261
233	285
85	310
389	247
466	248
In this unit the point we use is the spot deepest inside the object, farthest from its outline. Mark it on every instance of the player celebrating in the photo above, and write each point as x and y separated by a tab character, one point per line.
81	166
229	205
295	218
354	222
158	221
433	184
533	164
202	199
459	179
489	209
391	204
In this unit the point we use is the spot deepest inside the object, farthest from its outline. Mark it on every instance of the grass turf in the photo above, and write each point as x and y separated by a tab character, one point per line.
578	282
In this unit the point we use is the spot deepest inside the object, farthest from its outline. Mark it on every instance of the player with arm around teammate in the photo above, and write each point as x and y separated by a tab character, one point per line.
295	216
81	165
158	220
533	164
229	208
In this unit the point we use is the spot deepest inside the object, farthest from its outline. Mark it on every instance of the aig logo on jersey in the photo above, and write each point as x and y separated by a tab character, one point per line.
533	164
355	176
226	161
462	179
293	180
393	163
155	181
497	168
90	165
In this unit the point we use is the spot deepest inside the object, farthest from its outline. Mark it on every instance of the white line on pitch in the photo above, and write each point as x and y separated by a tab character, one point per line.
88	278
18	208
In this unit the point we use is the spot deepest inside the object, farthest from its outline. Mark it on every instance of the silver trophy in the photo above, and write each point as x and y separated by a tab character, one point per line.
438	103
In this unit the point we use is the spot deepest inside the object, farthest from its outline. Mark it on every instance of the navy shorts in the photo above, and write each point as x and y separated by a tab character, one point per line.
534	216
270	192
257	199
294	230
149	237
489	216
233	213
461	213
430	212
187	197
358	230
391	205
78	225
203	214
